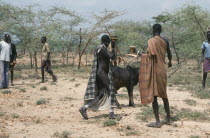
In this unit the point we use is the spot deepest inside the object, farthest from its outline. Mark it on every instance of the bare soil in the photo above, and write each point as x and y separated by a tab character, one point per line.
21	117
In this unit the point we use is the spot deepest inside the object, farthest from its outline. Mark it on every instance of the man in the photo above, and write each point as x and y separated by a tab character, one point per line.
5	51
100	92
153	77
206	56
13	57
45	61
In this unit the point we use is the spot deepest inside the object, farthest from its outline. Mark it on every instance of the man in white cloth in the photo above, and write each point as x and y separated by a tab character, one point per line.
5	51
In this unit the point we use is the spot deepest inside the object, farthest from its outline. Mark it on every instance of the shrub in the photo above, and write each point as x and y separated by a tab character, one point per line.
109	123
41	101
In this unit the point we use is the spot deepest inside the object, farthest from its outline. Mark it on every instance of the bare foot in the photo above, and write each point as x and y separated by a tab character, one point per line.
83	112
155	124
111	115
168	121
42	82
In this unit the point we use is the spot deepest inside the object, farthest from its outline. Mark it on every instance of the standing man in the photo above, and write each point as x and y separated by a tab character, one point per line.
5	51
45	61
153	77
13	57
206	56
100	92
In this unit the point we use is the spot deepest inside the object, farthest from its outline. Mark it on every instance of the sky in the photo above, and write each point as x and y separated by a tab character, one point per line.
137	10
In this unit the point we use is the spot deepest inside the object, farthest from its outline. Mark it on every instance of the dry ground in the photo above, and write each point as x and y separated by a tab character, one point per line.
22	117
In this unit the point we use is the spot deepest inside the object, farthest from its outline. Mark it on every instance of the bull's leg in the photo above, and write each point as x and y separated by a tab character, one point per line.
118	104
130	94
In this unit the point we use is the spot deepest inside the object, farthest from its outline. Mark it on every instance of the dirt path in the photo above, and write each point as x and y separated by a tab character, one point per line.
20	116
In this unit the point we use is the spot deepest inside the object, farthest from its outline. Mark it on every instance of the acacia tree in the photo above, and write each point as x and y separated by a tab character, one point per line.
30	24
63	30
186	28
97	27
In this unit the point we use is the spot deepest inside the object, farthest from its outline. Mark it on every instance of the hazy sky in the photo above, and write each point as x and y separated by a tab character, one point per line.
137	10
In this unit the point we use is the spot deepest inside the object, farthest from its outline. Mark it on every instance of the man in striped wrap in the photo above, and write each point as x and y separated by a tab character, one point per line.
100	92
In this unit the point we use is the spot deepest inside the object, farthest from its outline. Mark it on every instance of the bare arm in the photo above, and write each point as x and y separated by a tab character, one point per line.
15	52
169	52
107	54
203	51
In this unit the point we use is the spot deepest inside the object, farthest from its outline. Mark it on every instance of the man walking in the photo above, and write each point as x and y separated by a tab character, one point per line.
153	77
100	92
45	61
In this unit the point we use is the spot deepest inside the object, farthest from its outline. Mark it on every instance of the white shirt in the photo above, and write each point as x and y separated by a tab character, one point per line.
5	51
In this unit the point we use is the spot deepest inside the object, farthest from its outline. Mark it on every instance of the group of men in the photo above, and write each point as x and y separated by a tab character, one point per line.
100	93
8	55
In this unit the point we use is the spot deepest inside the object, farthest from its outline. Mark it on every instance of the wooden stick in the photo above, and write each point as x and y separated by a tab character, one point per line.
84	66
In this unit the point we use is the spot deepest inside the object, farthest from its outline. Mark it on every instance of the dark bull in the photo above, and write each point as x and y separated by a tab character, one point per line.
125	77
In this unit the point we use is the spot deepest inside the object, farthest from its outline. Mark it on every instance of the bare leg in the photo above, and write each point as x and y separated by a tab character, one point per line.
42	70
204	79
12	74
157	124
49	70
167	109
83	110
130	94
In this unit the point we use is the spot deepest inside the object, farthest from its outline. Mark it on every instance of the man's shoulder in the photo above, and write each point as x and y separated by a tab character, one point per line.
205	42
2	42
151	39
46	44
100	47
12	44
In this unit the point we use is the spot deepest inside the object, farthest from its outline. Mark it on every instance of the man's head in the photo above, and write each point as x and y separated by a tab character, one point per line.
156	29
105	39
43	39
208	35
7	38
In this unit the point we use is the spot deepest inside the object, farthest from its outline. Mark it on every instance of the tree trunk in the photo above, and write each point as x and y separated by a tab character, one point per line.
36	68
173	44
31	59
86	59
63	57
67	57
79	48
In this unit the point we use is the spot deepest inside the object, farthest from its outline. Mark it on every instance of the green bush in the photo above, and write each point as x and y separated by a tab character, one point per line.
109	123
44	88
7	92
41	101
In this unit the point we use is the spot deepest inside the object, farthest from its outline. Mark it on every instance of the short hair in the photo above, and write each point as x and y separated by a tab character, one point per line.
157	28
105	38
6	35
44	37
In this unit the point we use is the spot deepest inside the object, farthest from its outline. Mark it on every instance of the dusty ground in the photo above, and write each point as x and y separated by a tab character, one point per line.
21	117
